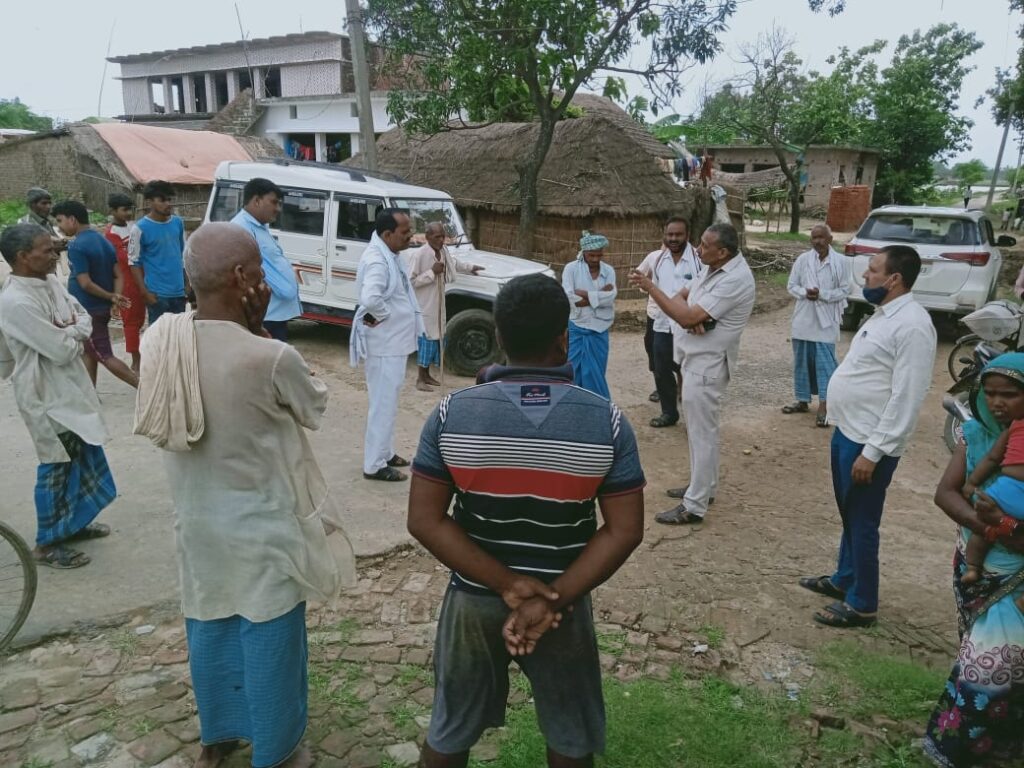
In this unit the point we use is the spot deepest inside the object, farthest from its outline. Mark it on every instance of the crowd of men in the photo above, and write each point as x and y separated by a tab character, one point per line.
528	454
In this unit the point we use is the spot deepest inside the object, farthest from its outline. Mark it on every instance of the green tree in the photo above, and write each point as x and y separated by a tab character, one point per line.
524	60
915	105
969	173
14	114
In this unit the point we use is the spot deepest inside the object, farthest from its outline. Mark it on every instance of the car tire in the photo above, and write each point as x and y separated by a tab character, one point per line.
852	316
471	342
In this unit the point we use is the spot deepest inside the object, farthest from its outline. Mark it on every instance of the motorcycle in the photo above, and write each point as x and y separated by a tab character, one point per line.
956	401
998	322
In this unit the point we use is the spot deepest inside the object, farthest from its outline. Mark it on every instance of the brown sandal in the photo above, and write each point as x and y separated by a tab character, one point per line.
796	407
61	558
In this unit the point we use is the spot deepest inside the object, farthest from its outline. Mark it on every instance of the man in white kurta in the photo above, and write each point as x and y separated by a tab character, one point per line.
384	332
432	267
820	282
231	407
42	331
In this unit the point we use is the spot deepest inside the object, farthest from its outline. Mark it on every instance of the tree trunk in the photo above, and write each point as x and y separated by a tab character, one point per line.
529	173
794	204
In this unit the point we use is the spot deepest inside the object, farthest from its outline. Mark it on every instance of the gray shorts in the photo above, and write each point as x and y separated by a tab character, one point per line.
471	677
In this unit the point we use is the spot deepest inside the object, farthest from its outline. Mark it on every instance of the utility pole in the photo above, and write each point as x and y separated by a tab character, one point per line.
361	72
999	162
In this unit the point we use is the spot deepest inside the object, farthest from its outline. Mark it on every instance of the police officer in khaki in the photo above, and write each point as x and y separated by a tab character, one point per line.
713	313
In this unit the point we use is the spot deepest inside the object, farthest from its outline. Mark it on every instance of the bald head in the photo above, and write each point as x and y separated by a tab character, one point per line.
434	232
821	239
214	254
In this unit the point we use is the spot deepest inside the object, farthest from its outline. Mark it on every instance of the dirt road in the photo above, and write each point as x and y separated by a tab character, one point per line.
773	521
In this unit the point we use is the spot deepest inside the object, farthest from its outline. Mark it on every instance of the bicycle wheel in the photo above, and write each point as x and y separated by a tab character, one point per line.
964	347
17	583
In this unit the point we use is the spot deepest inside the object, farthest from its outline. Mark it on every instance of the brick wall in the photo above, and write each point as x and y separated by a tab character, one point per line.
848	207
48	162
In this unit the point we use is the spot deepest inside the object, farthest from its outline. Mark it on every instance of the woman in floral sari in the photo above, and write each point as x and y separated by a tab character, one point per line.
979	718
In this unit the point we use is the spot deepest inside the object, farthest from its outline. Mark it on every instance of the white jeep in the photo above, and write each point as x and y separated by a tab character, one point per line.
327	217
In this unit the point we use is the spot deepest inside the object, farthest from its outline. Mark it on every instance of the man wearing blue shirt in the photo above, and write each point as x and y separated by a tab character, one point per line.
262	201
155	249
96	281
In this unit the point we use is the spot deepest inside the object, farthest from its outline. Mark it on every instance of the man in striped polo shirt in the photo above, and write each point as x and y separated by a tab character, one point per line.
525	454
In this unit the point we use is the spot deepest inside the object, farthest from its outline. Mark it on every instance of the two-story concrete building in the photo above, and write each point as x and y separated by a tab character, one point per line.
302	84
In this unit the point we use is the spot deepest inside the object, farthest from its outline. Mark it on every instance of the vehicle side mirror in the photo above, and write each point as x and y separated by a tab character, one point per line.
1005	241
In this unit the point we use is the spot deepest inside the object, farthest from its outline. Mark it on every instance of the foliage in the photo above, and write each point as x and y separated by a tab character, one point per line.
11	211
14	114
969	173
518	60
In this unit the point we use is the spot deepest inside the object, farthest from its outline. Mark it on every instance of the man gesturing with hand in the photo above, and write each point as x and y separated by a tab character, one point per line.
525	454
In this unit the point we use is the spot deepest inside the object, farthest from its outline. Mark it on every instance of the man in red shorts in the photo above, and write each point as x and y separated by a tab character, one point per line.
118	232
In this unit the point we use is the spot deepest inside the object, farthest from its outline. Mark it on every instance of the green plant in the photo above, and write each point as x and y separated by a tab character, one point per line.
612	643
127	642
714	634
143	726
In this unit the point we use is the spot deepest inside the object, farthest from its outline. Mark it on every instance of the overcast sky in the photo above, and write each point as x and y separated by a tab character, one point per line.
58	68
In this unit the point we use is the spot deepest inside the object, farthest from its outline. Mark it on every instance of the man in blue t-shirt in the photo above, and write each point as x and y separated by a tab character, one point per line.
155	252
94	279
525	454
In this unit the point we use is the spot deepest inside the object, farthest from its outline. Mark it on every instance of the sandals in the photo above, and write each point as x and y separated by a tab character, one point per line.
654	397
678	515
821	420
91	531
664	421
398	461
388	474
796	407
62	558
822	585
842	616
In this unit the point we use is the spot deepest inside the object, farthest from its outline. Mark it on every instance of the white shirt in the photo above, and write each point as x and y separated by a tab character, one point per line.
385	292
671	277
44	363
428	293
249	496
601	312
819	320
727	294
876	392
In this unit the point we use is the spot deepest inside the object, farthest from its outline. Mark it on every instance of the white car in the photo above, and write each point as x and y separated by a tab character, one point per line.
327	217
960	258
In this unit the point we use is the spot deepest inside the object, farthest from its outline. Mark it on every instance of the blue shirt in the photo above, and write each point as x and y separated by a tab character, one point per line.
527	453
157	247
91	253
277	270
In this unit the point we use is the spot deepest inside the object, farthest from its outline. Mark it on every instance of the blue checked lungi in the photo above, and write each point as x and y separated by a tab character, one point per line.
814	362
428	351
70	494
250	682
588	354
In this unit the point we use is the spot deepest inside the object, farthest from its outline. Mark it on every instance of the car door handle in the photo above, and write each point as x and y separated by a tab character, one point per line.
341	247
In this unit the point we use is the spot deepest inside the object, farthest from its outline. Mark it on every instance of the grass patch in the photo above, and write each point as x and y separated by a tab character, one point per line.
779	278
880	684
798	237
127	642
714	634
335	685
612	643
35	762
410	673
143	726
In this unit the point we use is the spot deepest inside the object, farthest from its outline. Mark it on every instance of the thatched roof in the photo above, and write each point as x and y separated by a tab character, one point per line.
601	163
752	184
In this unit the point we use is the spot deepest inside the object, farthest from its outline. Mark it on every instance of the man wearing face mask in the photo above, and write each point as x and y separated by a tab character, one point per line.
873	400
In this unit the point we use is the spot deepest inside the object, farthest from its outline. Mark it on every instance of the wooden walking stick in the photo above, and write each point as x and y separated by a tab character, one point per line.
440	315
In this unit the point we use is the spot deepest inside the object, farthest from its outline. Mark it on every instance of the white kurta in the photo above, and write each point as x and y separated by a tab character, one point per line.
43	360
429	290
819	320
600	313
249	495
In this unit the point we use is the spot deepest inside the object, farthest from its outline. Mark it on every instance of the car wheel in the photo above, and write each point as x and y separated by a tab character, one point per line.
472	343
852	316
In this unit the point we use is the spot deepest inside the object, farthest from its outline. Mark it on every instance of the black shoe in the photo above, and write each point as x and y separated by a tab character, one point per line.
387	474
664	421
397	461
678	515
654	397
680	493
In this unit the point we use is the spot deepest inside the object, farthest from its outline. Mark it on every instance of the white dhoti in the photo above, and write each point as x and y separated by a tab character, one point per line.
702	407
384	378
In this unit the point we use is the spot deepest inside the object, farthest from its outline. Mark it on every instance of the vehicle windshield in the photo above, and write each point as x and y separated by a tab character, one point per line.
424	212
924	230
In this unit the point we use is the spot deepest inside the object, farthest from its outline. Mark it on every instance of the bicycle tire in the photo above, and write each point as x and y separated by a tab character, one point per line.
28	595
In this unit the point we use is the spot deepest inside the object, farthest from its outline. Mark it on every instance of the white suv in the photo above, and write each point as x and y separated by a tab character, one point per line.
960	258
327	217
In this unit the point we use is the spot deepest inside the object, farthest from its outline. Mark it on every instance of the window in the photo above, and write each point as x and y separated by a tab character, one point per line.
733	167
925	230
293	112
356	216
764	166
987	235
353	109
227	201
302	212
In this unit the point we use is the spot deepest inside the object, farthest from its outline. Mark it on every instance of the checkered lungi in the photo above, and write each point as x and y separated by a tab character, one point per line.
428	351
814	362
70	494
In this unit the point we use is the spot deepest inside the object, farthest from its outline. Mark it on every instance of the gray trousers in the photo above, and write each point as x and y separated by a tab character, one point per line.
702	406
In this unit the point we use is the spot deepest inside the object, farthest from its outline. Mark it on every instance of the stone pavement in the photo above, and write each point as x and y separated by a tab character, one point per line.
121	697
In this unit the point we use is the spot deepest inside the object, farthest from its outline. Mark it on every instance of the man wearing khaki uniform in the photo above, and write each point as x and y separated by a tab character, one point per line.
714	312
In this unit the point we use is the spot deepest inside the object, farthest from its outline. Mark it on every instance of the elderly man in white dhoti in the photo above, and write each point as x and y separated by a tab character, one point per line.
384	333
256	536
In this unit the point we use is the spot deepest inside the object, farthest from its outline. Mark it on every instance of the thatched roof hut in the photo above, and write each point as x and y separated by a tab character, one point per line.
604	173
